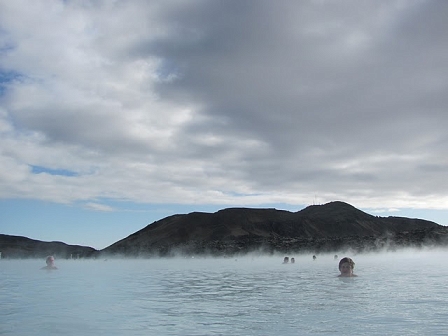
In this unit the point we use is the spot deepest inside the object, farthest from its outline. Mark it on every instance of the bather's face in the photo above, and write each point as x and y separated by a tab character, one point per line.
346	269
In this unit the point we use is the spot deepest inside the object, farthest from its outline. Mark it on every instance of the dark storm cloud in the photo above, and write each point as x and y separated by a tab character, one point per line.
280	99
340	79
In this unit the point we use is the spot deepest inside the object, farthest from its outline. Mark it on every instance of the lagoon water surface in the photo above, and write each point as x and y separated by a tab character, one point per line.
400	293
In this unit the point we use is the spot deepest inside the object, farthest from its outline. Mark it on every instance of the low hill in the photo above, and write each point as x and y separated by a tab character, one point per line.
23	247
333	226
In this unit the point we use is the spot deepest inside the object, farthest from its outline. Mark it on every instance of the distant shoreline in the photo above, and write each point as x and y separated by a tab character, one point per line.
334	227
417	239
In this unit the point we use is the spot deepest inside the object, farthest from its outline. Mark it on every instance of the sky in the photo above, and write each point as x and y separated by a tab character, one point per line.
118	113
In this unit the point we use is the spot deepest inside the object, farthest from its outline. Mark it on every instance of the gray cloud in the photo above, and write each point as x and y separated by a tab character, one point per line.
208	101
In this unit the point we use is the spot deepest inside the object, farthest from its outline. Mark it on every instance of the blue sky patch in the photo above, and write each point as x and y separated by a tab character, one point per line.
51	171
7	77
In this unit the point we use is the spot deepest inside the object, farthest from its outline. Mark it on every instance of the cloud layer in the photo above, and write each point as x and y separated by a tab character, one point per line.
225	102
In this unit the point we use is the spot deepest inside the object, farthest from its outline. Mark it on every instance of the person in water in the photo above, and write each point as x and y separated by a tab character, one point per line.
286	260
293	260
50	263
346	266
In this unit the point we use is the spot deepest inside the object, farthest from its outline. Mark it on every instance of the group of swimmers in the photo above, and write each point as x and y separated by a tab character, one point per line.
286	260
346	266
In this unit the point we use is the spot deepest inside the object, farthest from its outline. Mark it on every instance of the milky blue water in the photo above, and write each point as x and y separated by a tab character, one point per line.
404	293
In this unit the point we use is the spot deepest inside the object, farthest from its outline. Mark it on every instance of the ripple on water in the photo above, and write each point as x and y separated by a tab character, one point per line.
401	294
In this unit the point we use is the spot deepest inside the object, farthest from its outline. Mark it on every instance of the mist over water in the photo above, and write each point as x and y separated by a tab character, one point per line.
396	293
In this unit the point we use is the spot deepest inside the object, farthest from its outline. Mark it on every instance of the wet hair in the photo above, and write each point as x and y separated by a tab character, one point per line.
347	260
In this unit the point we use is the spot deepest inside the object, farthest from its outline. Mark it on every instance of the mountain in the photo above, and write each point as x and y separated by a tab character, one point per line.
22	247
334	226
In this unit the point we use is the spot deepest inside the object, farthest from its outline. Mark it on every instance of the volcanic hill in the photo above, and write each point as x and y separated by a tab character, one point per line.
23	247
335	226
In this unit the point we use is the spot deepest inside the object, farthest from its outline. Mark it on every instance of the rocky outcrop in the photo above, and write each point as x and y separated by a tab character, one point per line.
22	247
332	227
335	226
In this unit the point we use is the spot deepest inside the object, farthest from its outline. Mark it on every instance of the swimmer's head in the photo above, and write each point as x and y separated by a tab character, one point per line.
346	262
50	260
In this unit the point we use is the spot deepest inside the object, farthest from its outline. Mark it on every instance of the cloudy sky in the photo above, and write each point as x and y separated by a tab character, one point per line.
114	114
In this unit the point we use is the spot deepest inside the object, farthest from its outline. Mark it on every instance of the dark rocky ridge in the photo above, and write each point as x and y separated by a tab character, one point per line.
332	227
335	226
22	247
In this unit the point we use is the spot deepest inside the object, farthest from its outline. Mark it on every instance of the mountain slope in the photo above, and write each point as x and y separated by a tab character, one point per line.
238	229
23	247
